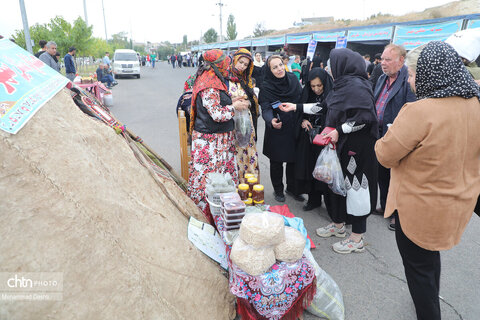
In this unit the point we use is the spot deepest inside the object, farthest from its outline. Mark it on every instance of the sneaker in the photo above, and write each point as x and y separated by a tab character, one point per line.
348	246
280	197
332	230
391	225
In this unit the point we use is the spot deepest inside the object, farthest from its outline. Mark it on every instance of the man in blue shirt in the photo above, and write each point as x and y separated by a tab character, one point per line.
70	70
106	59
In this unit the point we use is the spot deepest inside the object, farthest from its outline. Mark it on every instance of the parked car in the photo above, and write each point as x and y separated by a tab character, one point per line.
125	62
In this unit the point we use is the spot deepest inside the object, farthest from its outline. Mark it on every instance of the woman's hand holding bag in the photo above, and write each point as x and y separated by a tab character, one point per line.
328	170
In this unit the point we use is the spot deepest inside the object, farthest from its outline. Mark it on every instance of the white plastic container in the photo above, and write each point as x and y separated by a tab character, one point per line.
108	99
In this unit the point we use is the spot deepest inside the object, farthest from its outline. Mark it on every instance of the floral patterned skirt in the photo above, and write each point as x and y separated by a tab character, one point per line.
247	158
211	152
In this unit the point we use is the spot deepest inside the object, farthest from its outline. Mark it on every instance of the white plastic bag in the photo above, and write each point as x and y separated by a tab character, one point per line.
328	170
243	127
328	300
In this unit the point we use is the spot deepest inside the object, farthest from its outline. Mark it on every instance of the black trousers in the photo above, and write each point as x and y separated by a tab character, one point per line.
276	175
422	270
383	183
337	210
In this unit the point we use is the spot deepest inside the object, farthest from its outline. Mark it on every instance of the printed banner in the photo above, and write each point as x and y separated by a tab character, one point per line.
328	36
370	34
259	42
26	84
341	42
276	41
473	24
312	46
299	39
412	36
245	43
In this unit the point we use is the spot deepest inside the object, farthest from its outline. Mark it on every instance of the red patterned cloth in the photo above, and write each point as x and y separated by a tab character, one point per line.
283	292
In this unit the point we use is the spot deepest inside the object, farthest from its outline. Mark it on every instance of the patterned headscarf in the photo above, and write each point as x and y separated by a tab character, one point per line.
188	86
245	78
211	74
441	73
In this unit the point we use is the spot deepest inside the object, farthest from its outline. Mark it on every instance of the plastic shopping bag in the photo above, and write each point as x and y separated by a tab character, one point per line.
328	170
328	300
243	127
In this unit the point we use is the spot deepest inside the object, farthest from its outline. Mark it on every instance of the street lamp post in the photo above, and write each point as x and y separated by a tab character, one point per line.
26	30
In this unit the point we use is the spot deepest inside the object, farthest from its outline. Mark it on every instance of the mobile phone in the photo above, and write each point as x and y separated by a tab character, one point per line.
278	118
275	104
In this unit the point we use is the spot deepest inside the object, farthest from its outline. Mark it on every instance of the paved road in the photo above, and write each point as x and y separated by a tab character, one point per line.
373	283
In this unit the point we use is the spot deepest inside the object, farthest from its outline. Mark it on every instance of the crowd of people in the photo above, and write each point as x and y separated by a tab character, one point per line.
183	60
406	125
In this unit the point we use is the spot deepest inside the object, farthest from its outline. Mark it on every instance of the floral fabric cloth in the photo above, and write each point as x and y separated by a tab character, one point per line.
247	157
277	292
211	152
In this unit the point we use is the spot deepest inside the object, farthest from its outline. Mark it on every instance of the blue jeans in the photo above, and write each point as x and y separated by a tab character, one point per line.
108	79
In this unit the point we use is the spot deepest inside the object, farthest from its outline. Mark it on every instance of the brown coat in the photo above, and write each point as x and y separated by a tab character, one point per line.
433	148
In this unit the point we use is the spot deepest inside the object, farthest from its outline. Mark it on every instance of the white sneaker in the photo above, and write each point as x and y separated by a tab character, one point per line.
332	230
348	246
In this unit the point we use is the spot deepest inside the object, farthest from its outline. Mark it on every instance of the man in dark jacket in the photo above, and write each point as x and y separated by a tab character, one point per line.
70	69
376	70
391	93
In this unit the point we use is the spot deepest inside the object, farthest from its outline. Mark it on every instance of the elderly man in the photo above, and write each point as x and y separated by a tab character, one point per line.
48	56
391	92
70	70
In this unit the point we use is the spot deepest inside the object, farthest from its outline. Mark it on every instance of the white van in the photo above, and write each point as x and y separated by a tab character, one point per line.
125	62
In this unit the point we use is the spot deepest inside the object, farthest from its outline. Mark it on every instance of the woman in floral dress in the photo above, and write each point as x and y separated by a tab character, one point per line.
211	124
240	85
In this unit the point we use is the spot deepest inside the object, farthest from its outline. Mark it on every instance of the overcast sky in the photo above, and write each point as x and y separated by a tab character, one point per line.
164	20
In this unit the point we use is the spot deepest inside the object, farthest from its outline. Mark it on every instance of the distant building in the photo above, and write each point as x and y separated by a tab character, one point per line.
317	20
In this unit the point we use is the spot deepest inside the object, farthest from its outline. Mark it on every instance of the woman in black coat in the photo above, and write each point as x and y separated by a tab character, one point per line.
351	111
317	88
279	142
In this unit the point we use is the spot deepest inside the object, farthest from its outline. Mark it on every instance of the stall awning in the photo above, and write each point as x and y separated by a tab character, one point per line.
473	24
327	36
412	36
370	34
245	43
223	45
259	42
276	41
233	44
299	39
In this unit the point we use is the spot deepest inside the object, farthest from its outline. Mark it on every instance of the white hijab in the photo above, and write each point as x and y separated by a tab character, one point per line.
256	63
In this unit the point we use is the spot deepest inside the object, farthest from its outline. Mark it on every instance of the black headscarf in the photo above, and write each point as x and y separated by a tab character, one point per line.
441	73
351	90
286	89
308	95
316	62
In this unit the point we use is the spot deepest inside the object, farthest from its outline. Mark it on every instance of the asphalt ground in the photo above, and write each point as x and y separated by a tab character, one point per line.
373	282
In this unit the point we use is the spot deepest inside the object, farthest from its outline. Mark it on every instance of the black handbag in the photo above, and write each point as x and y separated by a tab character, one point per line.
313	132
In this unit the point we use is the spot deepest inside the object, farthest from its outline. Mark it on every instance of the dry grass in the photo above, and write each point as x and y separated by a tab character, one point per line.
455	8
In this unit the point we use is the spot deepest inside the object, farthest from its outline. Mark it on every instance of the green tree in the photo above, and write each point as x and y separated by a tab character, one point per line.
185	42
210	36
259	30
119	41
81	37
231	28
98	47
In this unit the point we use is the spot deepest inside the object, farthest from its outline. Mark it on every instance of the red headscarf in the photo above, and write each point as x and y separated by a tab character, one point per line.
207	78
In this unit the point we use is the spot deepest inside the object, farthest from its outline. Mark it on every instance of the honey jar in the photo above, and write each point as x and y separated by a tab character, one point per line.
251	182
248	202
243	191
258	195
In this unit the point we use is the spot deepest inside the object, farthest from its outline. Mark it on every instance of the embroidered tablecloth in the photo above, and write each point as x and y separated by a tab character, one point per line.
280	293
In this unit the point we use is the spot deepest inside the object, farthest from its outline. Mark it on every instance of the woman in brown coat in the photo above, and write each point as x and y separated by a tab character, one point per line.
433	150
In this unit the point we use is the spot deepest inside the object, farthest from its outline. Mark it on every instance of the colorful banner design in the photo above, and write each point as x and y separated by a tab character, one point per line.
233	44
276	41
473	24
341	42
327	36
312	46
413	36
299	39
370	34
259	42
26	84
245	43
